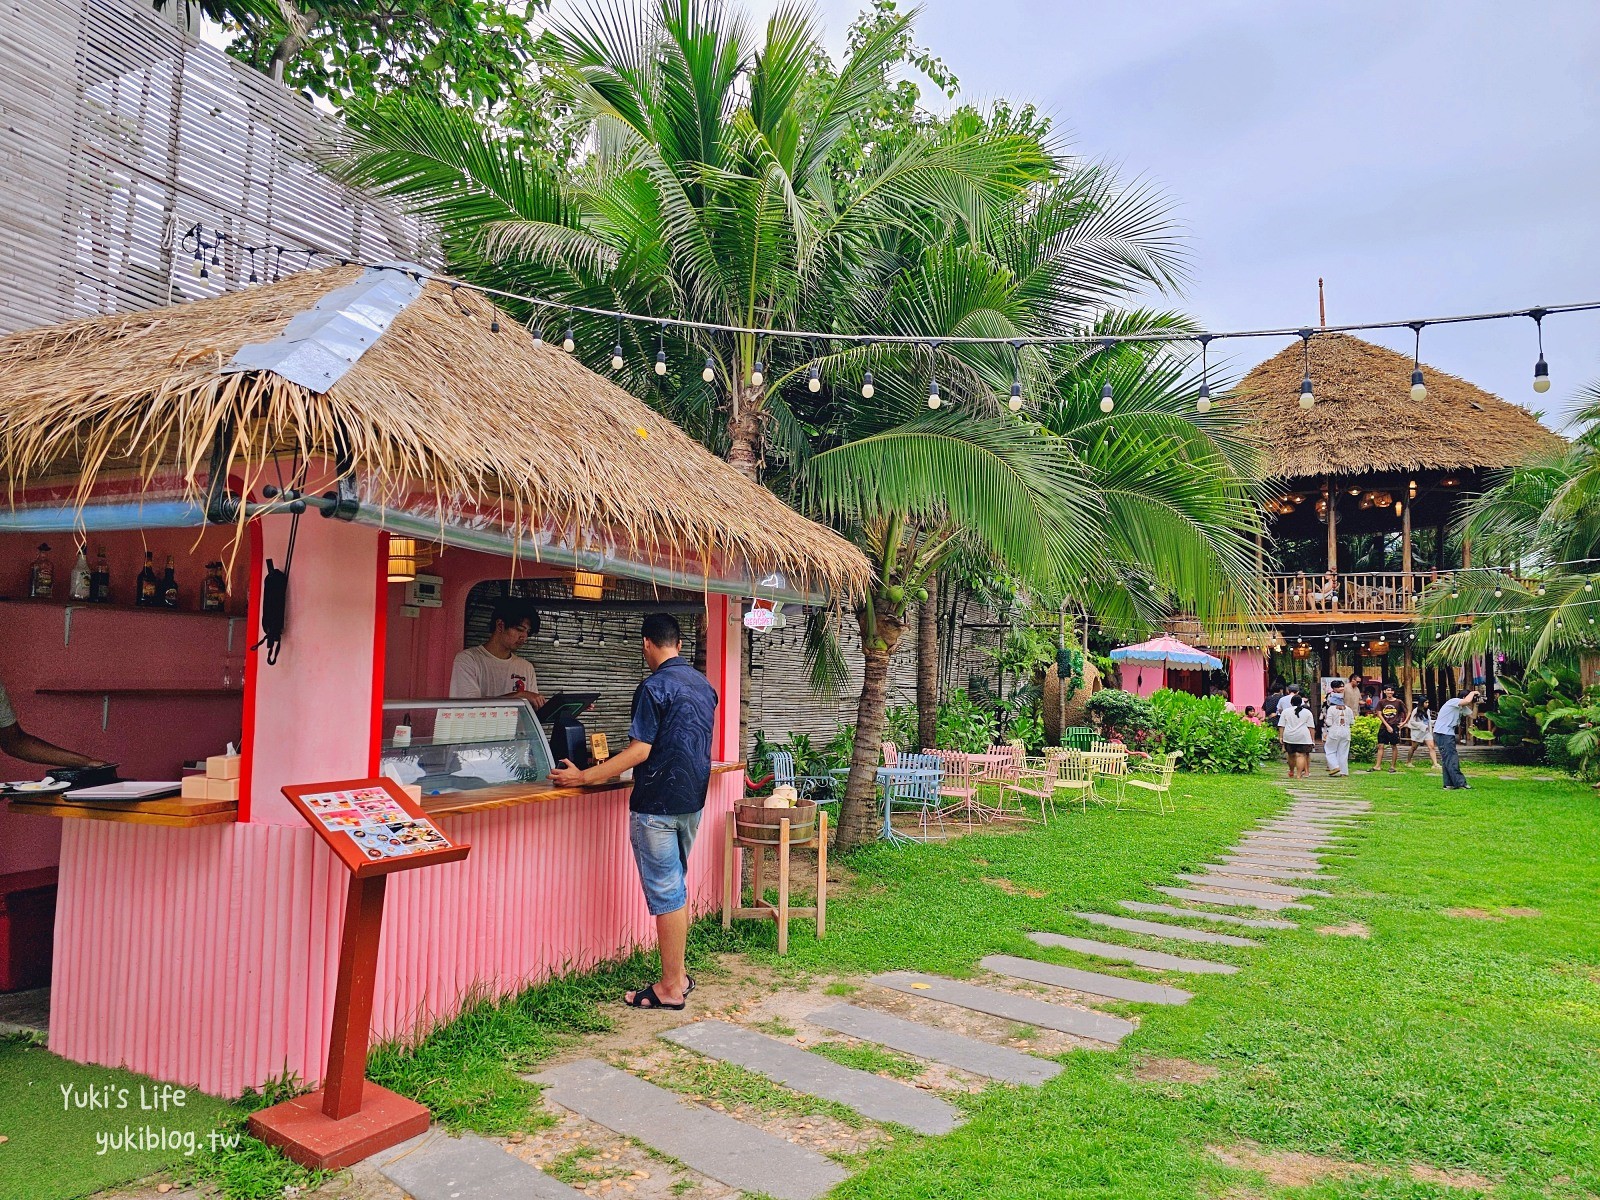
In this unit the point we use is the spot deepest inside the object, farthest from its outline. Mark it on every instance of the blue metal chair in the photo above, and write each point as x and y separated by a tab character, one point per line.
912	785
808	786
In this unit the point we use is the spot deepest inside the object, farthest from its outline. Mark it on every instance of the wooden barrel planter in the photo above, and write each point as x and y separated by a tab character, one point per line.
763	826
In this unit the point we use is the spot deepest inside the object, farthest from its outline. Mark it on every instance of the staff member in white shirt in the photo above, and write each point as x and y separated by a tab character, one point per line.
495	669
1445	727
19	743
1336	730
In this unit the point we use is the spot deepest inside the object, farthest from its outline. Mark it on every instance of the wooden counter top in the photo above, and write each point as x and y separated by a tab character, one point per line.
506	795
176	811
182	813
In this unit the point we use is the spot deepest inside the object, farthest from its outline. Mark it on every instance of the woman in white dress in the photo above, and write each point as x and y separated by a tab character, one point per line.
1420	727
1336	722
1298	727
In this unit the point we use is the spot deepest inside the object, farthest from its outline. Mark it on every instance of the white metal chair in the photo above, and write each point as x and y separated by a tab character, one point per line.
1075	777
1156	778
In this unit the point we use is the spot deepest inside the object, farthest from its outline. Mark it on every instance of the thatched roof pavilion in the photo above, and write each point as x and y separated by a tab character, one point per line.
442	414
1364	419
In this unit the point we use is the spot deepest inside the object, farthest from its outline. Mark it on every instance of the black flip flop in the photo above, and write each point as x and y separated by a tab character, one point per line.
688	990
649	994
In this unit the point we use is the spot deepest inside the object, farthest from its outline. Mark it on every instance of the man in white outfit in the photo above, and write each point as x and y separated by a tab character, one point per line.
1336	721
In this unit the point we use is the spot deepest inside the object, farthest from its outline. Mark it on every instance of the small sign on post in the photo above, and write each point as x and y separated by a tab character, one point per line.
374	829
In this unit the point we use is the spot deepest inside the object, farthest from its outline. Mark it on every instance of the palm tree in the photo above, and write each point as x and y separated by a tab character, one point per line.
1543	516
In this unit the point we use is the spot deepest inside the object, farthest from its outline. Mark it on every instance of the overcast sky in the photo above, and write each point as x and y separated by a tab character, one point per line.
1425	158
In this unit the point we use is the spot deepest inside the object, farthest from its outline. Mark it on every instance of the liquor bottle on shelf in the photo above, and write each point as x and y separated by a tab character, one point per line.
149	594
42	575
169	586
100	579
214	589
79	589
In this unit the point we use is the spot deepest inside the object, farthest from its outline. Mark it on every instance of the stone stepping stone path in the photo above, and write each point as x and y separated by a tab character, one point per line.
1242	883
870	1095
936	1045
1080	1022
1243	866
435	1165
727	1150
1112	987
1172	910
1160	929
1305	862
1228	899
1156	960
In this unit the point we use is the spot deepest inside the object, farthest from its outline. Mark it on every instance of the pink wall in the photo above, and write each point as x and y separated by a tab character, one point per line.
1142	680
1247	678
114	647
313	710
207	956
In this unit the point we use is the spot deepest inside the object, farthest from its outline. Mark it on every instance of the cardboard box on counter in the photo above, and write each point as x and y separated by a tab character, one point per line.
222	789
222	766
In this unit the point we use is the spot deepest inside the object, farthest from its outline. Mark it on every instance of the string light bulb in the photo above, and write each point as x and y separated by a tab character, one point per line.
568	342
934	400
757	375
1498	593
1307	396
538	335
1419	388
709	371
616	357
1202	402
1541	369
1015	402
1539	591
813	379
866	386
661	351
1107	400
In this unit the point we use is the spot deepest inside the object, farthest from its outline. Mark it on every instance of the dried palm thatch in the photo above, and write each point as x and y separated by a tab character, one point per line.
440	405
1364	419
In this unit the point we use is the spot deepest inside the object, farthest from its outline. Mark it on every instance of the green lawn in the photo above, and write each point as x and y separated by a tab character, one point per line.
1454	1050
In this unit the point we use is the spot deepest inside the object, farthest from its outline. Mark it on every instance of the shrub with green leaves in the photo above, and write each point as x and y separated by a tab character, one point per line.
1364	739
1211	738
1124	717
966	725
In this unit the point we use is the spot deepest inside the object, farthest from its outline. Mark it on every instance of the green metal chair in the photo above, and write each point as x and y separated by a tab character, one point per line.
1077	737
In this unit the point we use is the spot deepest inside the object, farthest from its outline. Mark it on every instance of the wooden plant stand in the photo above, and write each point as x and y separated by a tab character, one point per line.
733	883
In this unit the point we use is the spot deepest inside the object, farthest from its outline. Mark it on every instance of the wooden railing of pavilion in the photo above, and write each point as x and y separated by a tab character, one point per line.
1362	594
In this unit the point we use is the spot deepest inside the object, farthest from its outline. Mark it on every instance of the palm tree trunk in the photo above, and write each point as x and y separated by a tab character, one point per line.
744	431
928	666
859	816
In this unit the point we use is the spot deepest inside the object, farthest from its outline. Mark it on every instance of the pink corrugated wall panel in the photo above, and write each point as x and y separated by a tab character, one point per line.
208	956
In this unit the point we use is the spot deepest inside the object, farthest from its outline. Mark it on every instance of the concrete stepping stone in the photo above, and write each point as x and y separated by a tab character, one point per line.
1286	843
711	1143
1308	863
436	1166
1198	896
1243	866
870	1095
1156	960
1172	910
1024	1009
1160	929
1112	987
937	1045
1243	883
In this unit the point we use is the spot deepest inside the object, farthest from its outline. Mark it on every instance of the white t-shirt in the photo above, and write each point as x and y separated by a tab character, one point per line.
479	675
1283	704
1297	727
1336	722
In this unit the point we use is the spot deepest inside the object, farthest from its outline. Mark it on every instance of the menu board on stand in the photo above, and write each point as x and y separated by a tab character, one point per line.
374	829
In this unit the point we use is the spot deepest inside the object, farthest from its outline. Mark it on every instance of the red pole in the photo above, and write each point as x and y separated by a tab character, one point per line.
352	999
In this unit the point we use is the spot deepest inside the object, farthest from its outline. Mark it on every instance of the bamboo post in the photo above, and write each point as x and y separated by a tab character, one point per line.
1333	527
1405	543
729	854
783	886
822	875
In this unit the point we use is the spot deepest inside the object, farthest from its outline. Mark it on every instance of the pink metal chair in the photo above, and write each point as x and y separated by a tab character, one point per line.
958	790
1002	769
891	754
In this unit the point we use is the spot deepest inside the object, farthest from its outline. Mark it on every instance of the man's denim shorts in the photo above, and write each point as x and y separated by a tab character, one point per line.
661	848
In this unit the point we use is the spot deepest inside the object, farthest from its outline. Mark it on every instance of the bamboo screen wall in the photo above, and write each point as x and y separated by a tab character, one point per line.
118	132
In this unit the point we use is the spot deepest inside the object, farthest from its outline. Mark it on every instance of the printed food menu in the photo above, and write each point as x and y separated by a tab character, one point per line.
375	822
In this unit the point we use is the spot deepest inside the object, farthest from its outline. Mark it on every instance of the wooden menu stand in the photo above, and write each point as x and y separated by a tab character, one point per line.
374	829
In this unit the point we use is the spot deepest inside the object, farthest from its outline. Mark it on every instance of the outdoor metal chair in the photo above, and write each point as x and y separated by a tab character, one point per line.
1001	768
891	754
1077	737
912	785
958	790
1036	779
1155	777
1074	777
818	788
1109	761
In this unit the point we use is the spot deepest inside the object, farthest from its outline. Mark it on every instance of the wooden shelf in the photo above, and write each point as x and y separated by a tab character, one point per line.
146	692
117	607
174	811
508	795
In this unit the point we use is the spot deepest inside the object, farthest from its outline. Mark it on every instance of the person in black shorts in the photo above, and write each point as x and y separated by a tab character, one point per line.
1391	715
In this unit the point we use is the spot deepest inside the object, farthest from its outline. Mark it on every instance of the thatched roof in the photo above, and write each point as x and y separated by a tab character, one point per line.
439	405
1364	419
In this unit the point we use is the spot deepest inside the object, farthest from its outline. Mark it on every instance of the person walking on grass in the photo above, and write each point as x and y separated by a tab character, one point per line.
1390	713
1298	727
1336	723
1445	728
1421	729
674	710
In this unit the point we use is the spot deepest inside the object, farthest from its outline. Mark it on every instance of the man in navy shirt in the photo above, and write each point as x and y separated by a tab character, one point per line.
673	713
